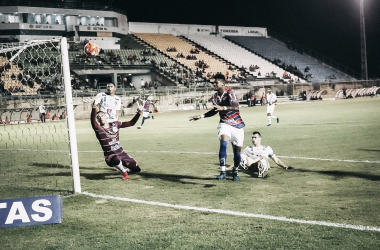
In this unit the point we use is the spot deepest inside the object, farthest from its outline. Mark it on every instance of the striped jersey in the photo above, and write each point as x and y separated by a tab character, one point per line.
231	117
146	104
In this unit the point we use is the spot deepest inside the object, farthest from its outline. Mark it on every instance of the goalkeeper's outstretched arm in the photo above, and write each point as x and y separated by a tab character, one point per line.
132	121
135	118
94	124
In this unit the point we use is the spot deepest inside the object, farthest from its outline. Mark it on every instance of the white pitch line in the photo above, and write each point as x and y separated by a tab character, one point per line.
205	153
213	153
243	214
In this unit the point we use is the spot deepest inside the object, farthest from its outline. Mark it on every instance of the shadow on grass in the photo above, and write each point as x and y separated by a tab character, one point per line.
51	165
341	174
102	176
369	150
175	178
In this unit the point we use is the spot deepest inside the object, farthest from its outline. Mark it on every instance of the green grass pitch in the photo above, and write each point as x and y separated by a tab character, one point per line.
333	145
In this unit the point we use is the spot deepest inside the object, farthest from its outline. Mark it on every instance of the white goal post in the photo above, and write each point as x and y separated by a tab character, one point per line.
70	116
38	150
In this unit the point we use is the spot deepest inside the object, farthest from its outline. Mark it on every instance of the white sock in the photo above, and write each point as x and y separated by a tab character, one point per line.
269	119
223	168
121	167
274	117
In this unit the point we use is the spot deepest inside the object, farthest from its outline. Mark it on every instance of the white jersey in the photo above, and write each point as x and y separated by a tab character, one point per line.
109	105
42	109
271	98
258	152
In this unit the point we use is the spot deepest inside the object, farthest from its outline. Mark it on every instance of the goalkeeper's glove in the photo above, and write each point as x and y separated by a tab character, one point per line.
139	107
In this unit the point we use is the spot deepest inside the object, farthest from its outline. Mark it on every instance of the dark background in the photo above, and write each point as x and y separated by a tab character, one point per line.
329	27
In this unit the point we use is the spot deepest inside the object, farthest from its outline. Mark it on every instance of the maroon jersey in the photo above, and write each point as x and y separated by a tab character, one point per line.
109	137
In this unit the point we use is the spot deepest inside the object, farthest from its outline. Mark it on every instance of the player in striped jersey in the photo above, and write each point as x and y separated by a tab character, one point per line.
108	135
230	124
145	104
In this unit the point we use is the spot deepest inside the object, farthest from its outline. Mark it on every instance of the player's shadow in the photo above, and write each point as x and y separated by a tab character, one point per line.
101	176
253	171
175	178
48	165
341	174
369	150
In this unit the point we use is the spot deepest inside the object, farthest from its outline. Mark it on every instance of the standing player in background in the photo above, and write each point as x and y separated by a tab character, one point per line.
258	156
230	124
145	104
109	103
108	135
271	100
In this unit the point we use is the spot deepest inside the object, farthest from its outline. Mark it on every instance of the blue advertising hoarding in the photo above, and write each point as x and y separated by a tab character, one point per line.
30	211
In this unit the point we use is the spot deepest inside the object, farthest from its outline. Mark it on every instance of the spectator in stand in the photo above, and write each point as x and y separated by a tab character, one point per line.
142	83
204	103
54	118
29	118
248	96
47	116
263	99
344	92
42	112
6	120
253	99
63	115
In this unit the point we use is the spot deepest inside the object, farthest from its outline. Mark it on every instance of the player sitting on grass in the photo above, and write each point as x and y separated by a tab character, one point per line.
257	156
108	136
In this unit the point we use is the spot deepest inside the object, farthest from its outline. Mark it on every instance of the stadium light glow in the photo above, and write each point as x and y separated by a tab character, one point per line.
364	66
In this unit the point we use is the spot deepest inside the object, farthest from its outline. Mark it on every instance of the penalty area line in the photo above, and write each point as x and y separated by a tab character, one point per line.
213	153
201	153
242	214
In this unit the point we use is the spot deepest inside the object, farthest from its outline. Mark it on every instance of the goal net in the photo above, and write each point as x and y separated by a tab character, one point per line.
34	116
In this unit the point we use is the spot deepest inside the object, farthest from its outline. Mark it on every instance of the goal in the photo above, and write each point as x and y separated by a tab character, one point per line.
37	130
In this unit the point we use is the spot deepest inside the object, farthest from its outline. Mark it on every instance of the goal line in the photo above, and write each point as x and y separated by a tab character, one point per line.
236	213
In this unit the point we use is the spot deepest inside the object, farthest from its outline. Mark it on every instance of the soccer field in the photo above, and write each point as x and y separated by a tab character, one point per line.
329	201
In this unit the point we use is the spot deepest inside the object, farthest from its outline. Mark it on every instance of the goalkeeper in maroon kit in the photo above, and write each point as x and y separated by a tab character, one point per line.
108	136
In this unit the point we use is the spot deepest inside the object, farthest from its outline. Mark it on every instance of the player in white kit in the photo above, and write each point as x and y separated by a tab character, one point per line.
259	154
109	103
271	100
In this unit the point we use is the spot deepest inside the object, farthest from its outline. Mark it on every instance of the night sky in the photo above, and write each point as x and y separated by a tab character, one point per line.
329	27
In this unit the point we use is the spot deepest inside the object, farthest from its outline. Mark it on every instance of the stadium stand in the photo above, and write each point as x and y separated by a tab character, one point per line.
241	57
353	93
290	60
187	54
14	79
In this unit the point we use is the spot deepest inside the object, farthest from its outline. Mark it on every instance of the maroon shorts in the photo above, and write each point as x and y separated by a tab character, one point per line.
114	160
